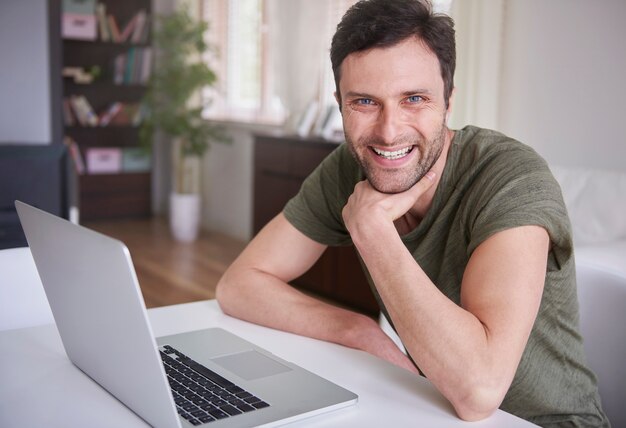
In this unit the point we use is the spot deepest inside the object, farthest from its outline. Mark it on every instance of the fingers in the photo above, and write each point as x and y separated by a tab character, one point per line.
366	202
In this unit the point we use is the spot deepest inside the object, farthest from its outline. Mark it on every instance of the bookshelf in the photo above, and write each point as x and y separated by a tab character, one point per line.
106	62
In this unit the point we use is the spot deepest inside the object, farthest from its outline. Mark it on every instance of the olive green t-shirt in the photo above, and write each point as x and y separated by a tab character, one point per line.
490	183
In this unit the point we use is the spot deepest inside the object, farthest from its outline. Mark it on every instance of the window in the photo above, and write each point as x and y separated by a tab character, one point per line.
241	58
254	41
245	57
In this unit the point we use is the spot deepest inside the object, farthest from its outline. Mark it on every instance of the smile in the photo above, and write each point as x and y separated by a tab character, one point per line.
398	154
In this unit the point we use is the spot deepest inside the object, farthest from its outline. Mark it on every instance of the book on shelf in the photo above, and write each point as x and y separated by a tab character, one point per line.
77	159
146	66
68	117
133	67
83	111
129	64
122	114
141	24
109	114
103	22
128	29
114	29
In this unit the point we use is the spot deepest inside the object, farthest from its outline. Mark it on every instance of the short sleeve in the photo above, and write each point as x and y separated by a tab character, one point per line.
516	188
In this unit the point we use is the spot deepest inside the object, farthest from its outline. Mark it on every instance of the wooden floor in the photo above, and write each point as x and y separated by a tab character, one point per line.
171	272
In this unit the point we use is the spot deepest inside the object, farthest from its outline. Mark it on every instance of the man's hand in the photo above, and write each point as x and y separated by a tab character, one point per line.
367	206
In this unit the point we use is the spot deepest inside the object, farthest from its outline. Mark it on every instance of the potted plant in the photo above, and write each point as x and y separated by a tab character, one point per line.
172	106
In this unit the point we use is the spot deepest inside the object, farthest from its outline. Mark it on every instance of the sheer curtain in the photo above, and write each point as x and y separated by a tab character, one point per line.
479	38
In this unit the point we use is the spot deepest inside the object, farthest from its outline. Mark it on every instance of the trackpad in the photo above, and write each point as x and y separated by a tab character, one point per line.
251	365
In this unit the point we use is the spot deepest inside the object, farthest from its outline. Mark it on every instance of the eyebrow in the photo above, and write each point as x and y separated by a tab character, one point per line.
417	91
353	94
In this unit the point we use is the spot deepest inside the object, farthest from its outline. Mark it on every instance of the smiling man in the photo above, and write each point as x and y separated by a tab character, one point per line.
463	234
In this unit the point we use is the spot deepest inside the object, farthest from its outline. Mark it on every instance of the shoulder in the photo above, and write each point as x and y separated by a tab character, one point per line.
505	184
489	158
484	146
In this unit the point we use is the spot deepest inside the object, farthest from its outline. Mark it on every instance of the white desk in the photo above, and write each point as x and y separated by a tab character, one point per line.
39	387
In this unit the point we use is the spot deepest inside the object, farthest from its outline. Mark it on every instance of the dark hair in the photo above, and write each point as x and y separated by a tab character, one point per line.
383	23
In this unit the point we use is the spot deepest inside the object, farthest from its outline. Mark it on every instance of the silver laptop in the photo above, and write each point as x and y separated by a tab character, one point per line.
206	378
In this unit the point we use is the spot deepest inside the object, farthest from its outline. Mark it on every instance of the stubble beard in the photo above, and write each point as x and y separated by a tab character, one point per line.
398	180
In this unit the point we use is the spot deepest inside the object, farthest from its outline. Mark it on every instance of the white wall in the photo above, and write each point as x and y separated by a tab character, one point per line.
24	72
227	186
228	183
563	87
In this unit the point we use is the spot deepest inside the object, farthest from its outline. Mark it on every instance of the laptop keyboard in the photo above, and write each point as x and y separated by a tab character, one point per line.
201	395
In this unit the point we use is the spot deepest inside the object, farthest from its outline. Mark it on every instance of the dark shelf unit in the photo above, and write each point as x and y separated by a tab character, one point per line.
106	196
281	163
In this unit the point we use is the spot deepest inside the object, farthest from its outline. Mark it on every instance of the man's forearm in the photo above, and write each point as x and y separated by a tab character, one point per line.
263	299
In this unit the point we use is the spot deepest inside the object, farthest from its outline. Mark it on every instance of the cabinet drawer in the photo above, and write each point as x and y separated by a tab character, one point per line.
270	156
305	159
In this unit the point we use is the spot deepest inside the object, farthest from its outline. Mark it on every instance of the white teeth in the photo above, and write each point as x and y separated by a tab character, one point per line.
392	155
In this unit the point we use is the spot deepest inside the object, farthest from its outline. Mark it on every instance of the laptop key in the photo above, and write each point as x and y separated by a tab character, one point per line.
234	389
243	395
245	407
260	405
218	414
230	409
251	399
198	413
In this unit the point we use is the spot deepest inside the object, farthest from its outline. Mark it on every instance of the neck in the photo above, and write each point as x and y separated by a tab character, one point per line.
415	215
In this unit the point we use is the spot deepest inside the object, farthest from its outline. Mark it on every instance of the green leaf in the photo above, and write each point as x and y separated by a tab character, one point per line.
178	74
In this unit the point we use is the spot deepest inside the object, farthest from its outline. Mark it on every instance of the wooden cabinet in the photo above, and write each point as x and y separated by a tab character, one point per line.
281	163
123	66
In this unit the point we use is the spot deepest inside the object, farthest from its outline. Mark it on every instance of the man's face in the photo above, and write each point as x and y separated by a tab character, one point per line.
394	113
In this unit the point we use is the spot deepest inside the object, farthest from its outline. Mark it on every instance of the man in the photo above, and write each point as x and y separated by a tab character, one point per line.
464	234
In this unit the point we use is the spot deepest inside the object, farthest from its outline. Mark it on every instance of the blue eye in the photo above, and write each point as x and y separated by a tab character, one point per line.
365	101
414	99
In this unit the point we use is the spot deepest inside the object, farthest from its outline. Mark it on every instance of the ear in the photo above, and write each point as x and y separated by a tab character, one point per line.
450	104
338	99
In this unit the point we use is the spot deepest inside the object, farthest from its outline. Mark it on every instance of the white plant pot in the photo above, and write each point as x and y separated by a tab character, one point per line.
185	216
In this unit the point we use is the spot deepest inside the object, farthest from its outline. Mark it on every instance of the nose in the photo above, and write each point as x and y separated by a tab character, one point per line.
388	126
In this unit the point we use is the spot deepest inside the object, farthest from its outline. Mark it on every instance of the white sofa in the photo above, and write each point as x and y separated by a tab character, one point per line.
596	203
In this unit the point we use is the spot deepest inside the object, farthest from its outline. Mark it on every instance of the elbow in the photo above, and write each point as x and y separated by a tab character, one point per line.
478	402
477	407
224	294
